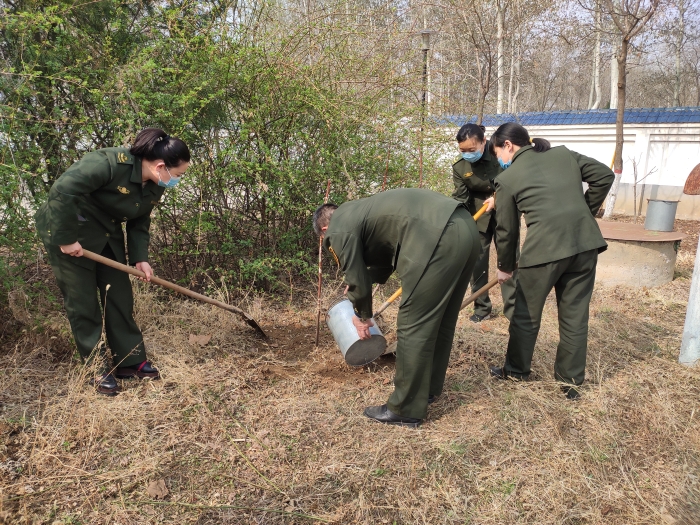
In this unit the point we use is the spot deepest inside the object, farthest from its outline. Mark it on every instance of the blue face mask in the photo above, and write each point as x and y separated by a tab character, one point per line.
504	165
472	156
171	183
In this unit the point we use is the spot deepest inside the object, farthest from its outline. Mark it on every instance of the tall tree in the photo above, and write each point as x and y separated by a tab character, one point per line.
679	41
629	17
475	28
500	60
595	77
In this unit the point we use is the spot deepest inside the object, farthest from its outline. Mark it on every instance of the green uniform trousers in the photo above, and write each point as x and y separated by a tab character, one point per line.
482	305
426	322
79	287
572	279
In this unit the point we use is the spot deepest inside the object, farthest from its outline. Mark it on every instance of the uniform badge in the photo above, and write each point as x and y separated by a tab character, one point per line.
121	157
123	190
155	203
330	249
467	175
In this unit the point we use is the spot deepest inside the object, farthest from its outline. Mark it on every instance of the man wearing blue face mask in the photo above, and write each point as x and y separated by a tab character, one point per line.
473	175
86	208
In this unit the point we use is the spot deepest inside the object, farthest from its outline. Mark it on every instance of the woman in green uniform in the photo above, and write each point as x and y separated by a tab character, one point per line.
86	208
560	250
473	175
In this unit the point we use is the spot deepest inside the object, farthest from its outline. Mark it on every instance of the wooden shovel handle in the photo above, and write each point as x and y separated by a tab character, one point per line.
473	297
390	300
481	211
397	293
162	282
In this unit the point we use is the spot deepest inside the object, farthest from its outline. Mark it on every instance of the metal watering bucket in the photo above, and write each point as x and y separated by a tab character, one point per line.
357	352
660	215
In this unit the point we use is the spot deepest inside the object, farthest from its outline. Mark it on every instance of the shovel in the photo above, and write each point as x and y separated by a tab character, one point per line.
166	284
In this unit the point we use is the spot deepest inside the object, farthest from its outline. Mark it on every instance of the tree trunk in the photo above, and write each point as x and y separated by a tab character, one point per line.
619	126
500	65
614	75
596	59
679	47
591	92
514	109
510	77
483	88
480	105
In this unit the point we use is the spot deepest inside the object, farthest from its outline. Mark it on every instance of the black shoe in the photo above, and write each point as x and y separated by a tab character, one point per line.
144	370
384	415
107	385
497	372
476	318
431	399
571	392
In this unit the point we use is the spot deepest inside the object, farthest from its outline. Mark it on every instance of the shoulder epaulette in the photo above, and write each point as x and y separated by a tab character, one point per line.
123	158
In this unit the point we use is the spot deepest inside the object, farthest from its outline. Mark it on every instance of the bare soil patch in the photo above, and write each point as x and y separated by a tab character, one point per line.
246	431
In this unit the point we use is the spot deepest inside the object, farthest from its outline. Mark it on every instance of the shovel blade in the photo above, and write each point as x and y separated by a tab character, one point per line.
251	322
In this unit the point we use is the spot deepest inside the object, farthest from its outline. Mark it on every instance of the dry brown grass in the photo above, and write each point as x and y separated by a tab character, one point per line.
247	432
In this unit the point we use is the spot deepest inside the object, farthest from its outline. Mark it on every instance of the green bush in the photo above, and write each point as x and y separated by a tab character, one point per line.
265	131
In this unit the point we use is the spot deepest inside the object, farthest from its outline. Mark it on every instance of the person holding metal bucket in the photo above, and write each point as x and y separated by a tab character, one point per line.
560	250
86	208
433	243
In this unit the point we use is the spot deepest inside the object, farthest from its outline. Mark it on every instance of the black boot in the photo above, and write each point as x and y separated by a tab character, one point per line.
107	385
571	392
144	370
384	415
497	372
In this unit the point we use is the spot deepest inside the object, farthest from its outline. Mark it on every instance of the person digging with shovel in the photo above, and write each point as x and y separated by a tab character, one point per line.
560	251
86	208
433	243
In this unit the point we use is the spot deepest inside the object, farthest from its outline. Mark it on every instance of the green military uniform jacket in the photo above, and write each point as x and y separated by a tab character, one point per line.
393	230
474	184
560	218
91	200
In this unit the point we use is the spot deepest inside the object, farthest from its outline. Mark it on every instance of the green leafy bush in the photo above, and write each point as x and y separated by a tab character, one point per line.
266	131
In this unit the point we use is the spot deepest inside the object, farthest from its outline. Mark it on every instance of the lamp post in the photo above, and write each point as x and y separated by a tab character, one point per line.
425	47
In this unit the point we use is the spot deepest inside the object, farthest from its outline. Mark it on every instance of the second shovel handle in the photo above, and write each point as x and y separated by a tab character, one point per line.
390	300
473	297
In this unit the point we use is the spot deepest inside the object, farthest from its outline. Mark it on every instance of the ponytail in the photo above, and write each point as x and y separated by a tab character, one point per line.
518	136
156	144
540	145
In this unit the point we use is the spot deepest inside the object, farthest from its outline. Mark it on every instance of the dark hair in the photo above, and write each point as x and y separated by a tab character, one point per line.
322	216
518	136
156	144
470	130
